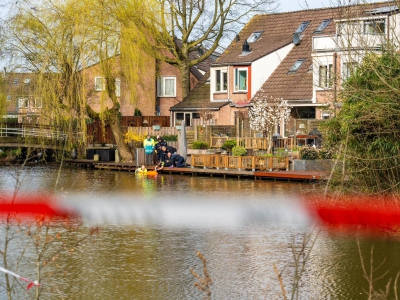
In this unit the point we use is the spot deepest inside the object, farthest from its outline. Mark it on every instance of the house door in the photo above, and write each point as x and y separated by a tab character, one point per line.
187	119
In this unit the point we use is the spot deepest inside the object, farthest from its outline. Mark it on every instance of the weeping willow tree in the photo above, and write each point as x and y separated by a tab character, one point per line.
63	42
367	128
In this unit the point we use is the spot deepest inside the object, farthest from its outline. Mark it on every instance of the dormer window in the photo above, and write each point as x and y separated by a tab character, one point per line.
322	26
302	27
254	37
297	65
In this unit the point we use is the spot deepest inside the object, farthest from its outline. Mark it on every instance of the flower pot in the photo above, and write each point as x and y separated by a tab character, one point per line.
178	127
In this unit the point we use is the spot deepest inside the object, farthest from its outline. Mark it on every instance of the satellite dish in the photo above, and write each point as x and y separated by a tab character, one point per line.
296	39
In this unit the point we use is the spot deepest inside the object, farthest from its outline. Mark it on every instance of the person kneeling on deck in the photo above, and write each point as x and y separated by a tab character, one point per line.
141	171
168	149
179	161
169	160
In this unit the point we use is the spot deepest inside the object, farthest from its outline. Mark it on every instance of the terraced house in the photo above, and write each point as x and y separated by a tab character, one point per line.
302	57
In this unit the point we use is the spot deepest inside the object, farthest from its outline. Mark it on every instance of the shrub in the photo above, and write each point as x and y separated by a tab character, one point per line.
229	144
308	153
170	138
325	153
200	145
239	151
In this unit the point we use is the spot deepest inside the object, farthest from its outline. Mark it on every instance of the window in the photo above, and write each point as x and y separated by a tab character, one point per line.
349	28
9	97
221	81
15	81
297	65
348	69
254	37
195	116
302	27
38	103
23	102
374	26
240	79
118	87
166	87
322	26
326	76
27	80
99	84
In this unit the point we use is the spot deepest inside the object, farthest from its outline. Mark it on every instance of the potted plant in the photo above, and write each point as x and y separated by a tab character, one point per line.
228	145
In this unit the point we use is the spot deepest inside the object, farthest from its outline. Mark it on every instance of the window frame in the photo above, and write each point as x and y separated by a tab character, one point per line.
161	86
221	81
99	86
25	102
38	103
328	75
374	24
303	26
322	26
117	87
296	66
346	71
254	36
237	79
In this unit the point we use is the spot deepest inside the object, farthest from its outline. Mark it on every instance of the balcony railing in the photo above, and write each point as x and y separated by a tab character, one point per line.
329	43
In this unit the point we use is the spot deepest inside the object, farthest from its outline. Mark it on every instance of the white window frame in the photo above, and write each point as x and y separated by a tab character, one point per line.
373	25
9	98
118	87
346	71
222	88
38	103
161	86
23	102
99	84
236	79
328	74
254	36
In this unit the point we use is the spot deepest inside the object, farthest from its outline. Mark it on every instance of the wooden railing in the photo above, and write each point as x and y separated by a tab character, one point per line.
253	143
26	132
219	161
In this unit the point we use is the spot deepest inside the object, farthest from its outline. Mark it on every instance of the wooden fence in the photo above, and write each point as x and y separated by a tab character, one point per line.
219	161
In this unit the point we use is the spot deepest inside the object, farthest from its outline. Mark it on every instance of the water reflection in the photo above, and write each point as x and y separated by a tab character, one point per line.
153	262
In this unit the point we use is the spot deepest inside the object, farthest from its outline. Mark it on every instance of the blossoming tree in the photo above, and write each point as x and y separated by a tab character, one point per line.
266	114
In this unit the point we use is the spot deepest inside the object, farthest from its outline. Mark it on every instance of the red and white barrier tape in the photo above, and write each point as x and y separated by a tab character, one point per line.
127	210
31	283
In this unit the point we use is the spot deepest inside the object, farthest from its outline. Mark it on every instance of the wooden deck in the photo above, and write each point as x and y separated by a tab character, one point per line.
194	171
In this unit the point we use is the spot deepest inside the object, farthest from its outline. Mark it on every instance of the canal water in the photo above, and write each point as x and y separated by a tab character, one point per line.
154	261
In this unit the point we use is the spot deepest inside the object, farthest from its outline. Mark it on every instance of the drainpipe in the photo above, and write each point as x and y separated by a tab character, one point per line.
334	83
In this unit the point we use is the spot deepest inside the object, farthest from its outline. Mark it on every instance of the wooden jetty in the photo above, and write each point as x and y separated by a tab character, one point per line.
195	171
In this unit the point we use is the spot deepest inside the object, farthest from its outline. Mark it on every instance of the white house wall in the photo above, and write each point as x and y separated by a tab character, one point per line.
265	66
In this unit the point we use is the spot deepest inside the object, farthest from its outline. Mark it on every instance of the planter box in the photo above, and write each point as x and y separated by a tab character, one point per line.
196	151
312	165
156	127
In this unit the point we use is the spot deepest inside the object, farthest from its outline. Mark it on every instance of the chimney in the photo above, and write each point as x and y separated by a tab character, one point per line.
245	48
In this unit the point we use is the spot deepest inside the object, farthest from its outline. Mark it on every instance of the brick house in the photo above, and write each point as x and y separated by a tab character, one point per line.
21	101
161	87
302	57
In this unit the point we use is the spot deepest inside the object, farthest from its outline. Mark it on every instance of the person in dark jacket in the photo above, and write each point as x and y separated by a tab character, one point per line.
168	149
179	161
160	143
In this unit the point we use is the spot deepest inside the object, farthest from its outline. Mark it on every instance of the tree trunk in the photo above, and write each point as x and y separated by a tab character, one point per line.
123	148
185	74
